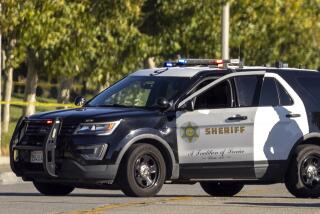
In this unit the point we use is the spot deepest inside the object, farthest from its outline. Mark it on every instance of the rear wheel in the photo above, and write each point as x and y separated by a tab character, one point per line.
143	171
53	188
221	188
303	176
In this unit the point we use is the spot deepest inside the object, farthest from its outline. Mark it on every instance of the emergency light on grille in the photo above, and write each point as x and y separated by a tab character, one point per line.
203	62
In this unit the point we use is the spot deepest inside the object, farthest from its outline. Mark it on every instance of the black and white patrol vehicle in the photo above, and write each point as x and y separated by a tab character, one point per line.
209	121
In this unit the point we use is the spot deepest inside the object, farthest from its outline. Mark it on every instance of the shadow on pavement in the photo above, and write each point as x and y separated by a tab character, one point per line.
97	195
302	205
117	195
13	194
258	196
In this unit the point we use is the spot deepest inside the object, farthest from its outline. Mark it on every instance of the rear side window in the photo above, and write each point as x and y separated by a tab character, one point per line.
269	93
274	94
248	90
284	97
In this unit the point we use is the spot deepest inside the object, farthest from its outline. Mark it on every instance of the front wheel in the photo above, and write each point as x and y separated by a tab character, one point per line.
303	176
143	171
53	189
222	189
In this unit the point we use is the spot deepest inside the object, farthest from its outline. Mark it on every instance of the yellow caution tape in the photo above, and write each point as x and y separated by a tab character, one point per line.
47	85
23	103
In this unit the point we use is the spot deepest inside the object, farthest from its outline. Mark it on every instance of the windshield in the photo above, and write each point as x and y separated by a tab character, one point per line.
140	91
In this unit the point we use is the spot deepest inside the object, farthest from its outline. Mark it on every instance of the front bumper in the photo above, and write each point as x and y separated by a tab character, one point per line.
67	162
70	172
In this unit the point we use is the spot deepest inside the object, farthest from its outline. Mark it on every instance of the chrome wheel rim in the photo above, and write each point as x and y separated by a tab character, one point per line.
310	171
146	171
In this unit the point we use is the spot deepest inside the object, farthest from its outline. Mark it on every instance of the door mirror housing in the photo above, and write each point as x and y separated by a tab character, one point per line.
79	101
163	103
189	106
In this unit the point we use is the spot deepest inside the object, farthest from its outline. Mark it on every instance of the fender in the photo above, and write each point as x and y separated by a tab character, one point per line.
144	134
300	141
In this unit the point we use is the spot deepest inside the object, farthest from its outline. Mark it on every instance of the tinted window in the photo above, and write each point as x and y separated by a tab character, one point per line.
248	90
218	96
269	94
311	86
204	83
284	97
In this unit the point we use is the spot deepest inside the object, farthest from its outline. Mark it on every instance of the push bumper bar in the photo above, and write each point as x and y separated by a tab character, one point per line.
48	146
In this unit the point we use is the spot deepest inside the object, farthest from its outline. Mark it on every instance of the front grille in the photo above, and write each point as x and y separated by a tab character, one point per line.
67	129
37	131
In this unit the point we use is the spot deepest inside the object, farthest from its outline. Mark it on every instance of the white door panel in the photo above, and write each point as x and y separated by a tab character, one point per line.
208	136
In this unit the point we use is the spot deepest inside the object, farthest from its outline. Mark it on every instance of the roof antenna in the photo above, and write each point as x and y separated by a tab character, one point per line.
278	64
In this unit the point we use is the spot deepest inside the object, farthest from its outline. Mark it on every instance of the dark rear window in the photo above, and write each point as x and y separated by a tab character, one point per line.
311	85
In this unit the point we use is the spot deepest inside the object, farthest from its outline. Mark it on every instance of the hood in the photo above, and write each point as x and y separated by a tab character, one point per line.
96	114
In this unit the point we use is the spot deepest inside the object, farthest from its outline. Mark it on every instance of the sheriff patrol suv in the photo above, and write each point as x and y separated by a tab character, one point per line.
209	121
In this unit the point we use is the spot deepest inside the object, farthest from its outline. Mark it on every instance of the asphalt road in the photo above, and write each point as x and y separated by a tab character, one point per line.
23	198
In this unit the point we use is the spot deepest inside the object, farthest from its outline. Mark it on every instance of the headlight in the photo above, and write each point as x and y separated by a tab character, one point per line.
96	128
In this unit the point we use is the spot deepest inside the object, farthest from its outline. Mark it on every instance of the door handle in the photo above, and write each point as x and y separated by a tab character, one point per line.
291	115
237	117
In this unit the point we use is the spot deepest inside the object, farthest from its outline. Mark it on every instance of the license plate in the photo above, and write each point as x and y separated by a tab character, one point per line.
36	156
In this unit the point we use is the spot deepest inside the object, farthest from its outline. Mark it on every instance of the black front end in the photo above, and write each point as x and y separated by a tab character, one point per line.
47	150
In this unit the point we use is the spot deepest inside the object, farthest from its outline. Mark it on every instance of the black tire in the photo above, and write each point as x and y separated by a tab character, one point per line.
298	181
142	171
53	189
221	189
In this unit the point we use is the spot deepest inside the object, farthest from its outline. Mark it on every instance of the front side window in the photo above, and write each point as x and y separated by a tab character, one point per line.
218	96
140	91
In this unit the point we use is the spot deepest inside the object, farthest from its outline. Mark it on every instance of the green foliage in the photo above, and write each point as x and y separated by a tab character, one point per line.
182	28
268	31
105	40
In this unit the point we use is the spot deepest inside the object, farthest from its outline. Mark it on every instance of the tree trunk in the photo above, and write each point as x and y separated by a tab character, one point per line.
7	98
104	85
64	90
31	85
149	63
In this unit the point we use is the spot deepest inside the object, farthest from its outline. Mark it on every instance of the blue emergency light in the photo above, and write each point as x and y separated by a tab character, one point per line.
203	62
169	64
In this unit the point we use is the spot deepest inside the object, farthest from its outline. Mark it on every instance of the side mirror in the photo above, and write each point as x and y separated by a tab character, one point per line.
163	103
189	106
79	101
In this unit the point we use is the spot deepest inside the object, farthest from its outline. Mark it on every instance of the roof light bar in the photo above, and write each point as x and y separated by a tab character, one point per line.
220	63
201	61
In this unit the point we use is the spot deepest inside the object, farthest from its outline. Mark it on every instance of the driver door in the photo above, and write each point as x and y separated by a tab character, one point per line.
215	140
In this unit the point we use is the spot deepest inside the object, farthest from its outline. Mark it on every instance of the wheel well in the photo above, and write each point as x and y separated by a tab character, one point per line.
165	153
315	140
312	140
